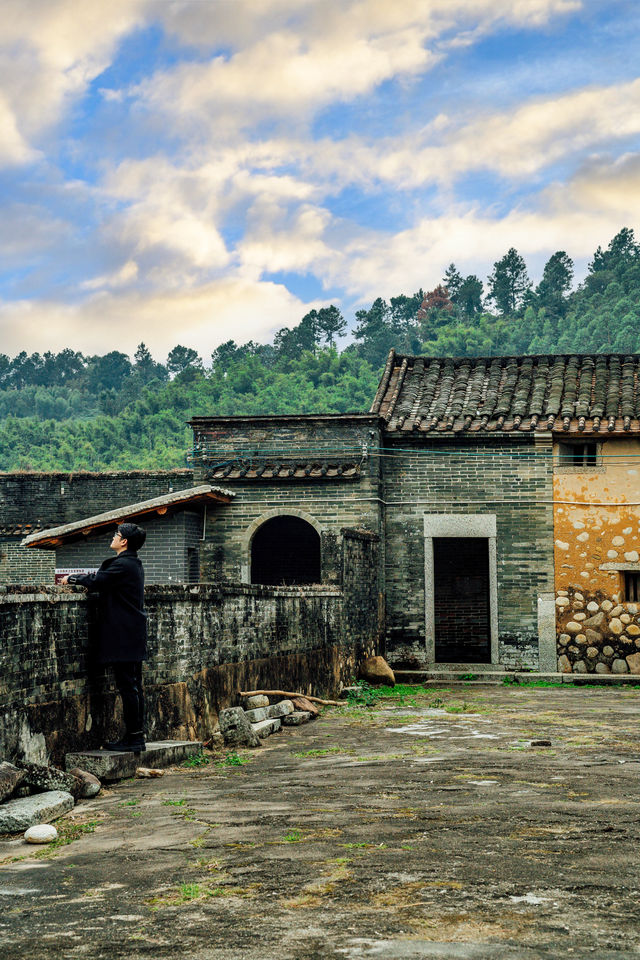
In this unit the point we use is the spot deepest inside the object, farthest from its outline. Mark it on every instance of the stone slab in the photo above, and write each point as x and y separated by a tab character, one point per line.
257	700
266	727
282	709
257	714
18	815
296	718
111	765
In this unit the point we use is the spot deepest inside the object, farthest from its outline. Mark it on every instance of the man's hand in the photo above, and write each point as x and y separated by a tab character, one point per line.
65	580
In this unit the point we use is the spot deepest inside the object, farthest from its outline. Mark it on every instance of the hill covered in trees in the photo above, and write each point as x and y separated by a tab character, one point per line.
65	411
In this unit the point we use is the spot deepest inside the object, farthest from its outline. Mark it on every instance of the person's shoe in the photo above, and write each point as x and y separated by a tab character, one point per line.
136	741
118	746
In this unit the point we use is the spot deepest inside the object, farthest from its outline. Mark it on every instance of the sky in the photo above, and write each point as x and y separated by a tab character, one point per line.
194	171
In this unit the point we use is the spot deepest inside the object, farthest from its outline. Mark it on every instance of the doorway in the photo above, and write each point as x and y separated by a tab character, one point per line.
462	623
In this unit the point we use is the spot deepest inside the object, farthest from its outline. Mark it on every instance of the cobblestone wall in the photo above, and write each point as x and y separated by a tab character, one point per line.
507	477
596	633
206	643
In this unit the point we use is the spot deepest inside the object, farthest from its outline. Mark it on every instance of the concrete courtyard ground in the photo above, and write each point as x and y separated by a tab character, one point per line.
425	826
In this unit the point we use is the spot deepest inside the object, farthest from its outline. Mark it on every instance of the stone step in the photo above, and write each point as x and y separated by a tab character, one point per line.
18	815
434	677
111	765
266	727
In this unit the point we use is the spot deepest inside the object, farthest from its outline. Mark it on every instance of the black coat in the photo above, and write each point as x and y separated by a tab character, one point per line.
121	620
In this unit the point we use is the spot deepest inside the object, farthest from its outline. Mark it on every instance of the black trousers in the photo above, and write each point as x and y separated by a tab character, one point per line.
129	683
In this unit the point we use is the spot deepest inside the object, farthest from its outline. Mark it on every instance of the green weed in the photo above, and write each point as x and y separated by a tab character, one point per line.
174	803
294	836
197	760
233	760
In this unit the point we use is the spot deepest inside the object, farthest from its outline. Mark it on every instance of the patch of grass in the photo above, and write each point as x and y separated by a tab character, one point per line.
175	803
325	752
468	676
67	833
197	760
129	803
294	836
233	760
364	696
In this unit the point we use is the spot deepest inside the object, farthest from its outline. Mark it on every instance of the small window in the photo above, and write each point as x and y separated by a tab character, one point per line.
193	565
631	586
583	454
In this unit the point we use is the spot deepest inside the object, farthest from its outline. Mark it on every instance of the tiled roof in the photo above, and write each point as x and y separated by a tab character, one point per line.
573	394
284	469
167	503
19	529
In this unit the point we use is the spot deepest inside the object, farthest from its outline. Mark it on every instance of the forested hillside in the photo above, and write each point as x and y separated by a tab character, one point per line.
66	411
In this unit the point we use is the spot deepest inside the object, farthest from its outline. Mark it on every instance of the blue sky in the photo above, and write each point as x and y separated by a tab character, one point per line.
192	172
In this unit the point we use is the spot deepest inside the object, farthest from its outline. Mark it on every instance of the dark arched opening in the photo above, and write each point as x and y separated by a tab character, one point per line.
285	550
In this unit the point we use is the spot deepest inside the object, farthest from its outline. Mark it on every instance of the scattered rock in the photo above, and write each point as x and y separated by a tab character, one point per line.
564	664
19	815
563	593
148	773
296	718
90	786
10	778
257	701
377	670
282	709
564	639
632	608
41	777
236	728
306	706
41	833
619	666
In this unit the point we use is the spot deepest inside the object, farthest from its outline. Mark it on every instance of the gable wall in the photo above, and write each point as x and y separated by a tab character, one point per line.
501	476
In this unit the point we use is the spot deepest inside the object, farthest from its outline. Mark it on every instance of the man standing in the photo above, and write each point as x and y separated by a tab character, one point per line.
122	627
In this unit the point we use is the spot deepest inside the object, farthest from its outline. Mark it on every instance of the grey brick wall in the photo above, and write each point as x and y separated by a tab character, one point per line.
502	476
206	642
19	565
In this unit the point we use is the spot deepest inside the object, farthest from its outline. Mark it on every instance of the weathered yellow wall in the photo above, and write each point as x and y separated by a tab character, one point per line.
586	537
598	631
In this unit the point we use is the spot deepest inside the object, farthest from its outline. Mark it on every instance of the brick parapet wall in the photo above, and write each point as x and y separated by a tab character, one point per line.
206	642
508	477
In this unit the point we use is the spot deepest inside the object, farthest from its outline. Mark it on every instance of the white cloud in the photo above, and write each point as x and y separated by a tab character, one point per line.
231	308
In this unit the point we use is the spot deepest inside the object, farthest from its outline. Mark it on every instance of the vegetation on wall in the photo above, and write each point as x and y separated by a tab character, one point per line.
66	411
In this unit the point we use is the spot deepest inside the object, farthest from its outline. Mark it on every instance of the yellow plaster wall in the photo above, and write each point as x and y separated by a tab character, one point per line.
588	536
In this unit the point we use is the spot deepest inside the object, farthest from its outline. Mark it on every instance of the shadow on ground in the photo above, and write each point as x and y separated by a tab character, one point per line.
426	826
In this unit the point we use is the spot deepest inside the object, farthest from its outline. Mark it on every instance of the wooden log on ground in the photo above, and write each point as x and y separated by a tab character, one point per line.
286	693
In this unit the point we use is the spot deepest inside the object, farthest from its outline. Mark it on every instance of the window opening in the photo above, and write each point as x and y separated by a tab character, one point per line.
583	454
285	550
631	586
193	565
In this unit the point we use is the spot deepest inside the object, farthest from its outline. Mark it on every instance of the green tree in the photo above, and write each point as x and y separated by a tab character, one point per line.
509	282
554	287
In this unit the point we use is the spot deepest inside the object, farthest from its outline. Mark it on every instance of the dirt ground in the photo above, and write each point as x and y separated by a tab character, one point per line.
425	826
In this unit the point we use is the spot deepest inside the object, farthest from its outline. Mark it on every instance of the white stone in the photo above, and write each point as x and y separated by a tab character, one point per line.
573	627
561	545
583	537
632	556
606	605
562	602
615	626
578	525
578	596
618	541
580	638
563	593
632	607
625	618
578	604
592	607
42	833
628	530
612	554
633	629
584	574
579	616
564	664
617	610
564	639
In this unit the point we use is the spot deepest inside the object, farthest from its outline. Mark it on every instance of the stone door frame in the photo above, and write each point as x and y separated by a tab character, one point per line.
459	525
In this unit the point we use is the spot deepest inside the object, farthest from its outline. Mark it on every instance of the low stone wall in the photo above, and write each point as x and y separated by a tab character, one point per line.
596	634
206	643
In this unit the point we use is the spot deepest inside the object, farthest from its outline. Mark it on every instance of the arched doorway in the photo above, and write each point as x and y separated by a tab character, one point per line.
285	550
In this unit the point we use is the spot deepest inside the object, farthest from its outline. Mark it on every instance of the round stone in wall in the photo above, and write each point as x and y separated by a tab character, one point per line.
579	616
619	666
607	651
633	630
625	618
578	596
602	668
615	626
573	627
617	610
581	637
592	652
580	667
606	605
562	602
592	606
564	664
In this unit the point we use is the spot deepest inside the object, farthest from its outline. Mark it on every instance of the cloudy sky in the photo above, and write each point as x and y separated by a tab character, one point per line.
190	171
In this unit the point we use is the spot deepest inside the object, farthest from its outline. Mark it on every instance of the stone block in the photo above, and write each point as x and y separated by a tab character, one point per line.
10	778
633	660
18	815
597	621
266	727
255	702
296	718
256	715
282	709
89	785
236	729
41	777
110	766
